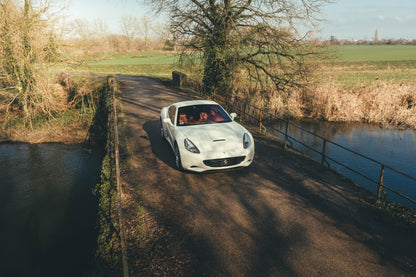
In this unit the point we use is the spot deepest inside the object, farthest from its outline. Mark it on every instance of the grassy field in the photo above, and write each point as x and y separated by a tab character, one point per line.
148	57
374	52
148	63
355	66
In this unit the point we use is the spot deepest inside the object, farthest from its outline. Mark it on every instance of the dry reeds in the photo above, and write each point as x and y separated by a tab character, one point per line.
384	103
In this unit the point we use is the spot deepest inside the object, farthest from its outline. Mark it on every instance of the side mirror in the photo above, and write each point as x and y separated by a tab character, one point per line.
233	116
167	120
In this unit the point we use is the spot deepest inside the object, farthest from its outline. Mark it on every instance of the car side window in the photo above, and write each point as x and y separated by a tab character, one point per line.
172	113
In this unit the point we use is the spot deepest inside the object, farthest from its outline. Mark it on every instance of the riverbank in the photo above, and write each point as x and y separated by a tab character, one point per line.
50	133
74	122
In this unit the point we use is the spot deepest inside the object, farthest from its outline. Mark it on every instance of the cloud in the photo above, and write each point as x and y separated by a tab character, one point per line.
381	17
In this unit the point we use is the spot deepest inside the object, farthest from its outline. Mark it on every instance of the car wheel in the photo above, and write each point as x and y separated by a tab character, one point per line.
178	161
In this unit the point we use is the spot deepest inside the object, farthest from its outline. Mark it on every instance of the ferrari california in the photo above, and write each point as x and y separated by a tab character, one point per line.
203	136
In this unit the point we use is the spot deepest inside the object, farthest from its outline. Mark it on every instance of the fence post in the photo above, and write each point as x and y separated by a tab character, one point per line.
323	153
241	110
260	120
380	182
287	126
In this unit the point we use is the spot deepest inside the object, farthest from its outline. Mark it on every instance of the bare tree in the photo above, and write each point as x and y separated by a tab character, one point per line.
27	43
161	31
100	28
80	28
257	38
145	29
130	26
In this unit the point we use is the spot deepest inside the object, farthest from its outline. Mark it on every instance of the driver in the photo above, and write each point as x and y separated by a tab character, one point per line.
214	116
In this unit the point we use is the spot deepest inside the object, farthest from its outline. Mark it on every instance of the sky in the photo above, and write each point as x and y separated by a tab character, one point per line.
109	10
359	19
344	19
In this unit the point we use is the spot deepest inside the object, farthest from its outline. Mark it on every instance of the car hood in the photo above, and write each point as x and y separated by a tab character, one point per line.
215	137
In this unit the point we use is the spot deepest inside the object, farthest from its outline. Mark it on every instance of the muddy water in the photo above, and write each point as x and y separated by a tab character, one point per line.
47	210
393	147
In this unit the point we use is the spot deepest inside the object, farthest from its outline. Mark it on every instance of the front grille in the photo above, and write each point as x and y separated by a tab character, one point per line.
224	162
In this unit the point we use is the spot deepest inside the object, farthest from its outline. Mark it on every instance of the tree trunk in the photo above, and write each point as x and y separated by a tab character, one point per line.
217	77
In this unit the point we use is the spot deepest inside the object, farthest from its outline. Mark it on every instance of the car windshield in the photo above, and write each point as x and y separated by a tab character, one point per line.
201	114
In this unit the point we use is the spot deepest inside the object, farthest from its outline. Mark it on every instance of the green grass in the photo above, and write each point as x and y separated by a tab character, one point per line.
155	58
372	53
152	70
147	63
353	66
125	55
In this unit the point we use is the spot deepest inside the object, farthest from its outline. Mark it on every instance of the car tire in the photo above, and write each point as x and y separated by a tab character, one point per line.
177	155
162	131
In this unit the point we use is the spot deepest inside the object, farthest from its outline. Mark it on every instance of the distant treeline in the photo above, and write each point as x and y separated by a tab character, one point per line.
334	41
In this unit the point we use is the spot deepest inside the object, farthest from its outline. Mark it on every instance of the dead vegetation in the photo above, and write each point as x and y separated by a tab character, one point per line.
384	103
76	101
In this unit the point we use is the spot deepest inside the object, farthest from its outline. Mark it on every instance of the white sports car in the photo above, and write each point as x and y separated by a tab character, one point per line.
204	137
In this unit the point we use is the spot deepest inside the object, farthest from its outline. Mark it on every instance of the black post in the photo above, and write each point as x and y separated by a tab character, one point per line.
323	153
380	182
286	137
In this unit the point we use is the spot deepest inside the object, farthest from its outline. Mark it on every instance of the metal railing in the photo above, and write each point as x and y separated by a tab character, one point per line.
251	112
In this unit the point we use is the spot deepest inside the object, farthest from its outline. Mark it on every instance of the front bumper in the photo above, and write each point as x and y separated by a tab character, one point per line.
216	161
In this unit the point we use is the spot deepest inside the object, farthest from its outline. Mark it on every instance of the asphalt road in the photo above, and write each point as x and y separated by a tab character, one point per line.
283	216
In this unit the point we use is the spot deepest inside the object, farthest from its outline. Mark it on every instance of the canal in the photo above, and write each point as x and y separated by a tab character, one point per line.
47	210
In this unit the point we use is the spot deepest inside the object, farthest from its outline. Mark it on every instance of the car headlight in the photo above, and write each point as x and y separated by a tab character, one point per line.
246	140
190	146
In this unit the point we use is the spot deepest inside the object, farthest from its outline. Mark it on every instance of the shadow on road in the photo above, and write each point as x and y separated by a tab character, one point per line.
160	147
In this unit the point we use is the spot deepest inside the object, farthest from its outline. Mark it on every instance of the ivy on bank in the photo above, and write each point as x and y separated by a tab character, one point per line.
108	252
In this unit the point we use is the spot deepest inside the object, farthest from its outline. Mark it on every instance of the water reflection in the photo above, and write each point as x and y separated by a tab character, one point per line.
47	211
396	148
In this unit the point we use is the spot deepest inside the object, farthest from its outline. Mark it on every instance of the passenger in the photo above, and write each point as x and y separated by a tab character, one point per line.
183	119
